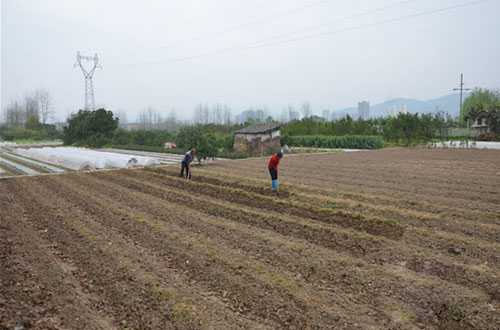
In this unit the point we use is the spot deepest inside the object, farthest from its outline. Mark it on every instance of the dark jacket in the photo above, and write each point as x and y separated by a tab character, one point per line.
188	158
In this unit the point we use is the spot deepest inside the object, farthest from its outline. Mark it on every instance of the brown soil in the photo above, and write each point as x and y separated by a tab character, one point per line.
393	239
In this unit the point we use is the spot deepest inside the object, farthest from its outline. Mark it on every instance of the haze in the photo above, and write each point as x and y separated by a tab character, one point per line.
174	54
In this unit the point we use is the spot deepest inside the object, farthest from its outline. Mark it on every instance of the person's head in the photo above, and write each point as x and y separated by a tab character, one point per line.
193	151
279	154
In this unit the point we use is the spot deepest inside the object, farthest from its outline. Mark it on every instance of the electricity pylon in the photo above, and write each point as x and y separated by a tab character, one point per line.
88	76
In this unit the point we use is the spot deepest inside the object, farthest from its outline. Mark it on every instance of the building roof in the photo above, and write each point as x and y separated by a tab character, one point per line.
259	129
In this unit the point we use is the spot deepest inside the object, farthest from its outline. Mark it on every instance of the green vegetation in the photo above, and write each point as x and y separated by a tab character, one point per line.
483	106
479	100
26	119
210	140
335	142
147	138
40	132
404	129
139	147
194	137
90	128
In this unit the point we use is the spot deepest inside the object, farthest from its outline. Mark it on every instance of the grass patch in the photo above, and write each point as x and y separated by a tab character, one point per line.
331	205
182	312
163	294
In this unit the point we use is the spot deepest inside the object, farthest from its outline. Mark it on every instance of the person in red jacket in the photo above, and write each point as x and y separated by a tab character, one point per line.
273	169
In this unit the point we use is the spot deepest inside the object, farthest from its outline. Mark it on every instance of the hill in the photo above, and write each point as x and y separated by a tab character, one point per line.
448	104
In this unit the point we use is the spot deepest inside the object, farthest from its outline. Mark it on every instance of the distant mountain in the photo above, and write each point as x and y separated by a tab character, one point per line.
448	104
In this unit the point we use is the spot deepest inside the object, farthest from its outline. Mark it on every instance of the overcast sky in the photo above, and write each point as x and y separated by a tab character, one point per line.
176	54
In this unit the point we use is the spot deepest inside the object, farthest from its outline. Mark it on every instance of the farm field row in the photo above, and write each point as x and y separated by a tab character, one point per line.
37	161
15	165
392	239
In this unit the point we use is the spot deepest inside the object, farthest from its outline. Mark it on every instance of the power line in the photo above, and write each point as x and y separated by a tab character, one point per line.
233	28
341	19
265	43
312	27
382	22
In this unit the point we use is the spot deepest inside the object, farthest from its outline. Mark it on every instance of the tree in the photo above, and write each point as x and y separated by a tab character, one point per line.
406	126
32	123
44	104
32	108
479	99
194	137
14	115
92	128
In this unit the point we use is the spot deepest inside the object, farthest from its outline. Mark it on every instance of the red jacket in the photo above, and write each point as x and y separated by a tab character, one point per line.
274	162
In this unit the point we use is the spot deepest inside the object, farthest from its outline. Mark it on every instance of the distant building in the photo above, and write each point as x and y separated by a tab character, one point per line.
258	139
480	124
364	110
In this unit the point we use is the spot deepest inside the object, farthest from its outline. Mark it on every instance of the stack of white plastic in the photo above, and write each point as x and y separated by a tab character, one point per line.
7	144
82	158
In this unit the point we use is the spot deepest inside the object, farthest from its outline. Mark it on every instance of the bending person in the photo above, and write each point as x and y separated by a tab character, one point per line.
186	163
274	161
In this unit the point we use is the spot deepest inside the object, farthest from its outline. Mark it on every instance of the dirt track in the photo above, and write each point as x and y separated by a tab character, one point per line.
393	239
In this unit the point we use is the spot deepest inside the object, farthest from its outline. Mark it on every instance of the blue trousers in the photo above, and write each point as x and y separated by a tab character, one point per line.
275	184
274	178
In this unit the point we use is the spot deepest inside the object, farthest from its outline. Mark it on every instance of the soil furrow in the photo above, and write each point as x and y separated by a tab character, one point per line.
411	256
387	228
99	273
205	264
37	285
319	273
388	239
376	207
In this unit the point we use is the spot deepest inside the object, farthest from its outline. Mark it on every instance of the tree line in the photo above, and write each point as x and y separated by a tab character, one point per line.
28	118
405	128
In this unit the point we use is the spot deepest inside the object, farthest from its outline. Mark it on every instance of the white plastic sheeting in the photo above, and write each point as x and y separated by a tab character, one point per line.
18	167
50	168
7	144
467	145
85	159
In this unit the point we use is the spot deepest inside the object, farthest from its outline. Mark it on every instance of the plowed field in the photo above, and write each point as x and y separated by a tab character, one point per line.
392	239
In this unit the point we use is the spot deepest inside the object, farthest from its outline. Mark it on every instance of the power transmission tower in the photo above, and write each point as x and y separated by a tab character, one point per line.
461	89
88	76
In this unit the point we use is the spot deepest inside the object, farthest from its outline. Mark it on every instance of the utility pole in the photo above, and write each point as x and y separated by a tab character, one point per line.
461	89
88	75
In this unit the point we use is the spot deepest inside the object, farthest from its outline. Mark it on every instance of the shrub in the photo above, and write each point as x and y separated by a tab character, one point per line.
335	142
43	132
488	137
93	128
